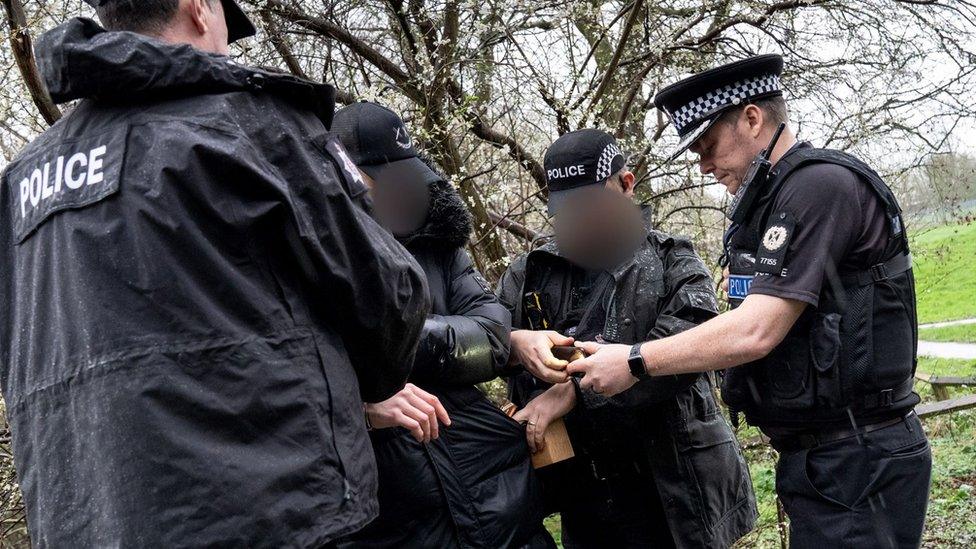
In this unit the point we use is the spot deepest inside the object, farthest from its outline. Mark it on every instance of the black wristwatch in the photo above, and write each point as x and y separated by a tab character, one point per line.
636	362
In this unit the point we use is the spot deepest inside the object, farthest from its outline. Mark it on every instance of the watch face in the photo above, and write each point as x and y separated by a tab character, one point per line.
636	363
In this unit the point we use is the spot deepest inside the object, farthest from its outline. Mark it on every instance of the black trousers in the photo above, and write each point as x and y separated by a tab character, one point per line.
621	512
864	493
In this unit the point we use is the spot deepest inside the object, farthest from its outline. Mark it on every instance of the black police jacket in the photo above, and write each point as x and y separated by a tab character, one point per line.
474	486
697	466
194	304
853	355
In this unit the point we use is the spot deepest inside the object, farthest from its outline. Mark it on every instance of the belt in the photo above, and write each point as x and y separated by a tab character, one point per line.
806	441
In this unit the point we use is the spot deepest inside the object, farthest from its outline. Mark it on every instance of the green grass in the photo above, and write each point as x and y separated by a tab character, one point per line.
945	272
964	333
946	366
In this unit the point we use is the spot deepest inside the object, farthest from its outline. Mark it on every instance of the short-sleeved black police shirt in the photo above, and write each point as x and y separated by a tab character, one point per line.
824	218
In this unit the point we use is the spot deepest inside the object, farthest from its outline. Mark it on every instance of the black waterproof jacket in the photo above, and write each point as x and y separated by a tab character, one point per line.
194	305
474	486
697	466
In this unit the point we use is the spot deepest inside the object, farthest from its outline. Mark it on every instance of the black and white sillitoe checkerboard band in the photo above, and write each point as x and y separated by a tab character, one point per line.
605	163
743	90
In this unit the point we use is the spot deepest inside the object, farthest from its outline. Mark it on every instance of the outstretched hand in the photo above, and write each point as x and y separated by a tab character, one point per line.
605	369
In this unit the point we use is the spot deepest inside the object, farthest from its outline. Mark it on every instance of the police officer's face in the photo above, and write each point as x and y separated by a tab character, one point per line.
728	147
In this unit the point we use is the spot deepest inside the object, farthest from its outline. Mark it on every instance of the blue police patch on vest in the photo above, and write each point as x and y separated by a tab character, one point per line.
739	286
67	175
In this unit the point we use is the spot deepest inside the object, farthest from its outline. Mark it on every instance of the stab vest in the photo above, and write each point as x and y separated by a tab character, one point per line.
854	354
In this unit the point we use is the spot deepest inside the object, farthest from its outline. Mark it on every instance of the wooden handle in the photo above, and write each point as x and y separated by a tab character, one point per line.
558	447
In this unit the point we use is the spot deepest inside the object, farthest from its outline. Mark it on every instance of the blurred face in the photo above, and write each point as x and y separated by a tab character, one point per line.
599	227
399	206
728	147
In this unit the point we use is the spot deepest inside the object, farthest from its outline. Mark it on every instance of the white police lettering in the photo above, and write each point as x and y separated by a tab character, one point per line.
568	171
56	177
739	286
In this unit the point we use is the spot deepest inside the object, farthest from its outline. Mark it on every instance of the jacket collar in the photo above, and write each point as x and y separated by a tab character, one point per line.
81	60
448	224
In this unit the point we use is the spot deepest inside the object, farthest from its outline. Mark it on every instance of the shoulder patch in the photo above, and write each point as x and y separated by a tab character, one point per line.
774	243
355	185
67	175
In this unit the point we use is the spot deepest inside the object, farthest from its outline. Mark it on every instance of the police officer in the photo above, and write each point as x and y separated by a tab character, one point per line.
656	466
820	345
196	302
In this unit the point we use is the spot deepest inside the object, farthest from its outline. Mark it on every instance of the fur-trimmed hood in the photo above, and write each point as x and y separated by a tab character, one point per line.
449	223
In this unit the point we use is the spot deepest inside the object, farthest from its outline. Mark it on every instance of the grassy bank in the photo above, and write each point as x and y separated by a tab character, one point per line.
945	272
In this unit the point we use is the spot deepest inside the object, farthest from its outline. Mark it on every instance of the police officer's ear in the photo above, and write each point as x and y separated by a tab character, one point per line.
754	118
199	12
624	181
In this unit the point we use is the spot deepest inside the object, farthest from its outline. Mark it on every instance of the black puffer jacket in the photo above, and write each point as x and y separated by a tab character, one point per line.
474	485
190	292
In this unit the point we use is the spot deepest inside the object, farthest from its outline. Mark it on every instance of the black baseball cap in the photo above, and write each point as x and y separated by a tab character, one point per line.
379	144
238	24
577	160
695	103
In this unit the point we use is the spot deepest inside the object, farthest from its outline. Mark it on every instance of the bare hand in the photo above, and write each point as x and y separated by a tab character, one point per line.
605	371
533	350
413	409
725	280
556	402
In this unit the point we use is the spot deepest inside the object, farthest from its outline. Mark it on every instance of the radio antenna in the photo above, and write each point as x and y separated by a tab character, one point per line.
769	150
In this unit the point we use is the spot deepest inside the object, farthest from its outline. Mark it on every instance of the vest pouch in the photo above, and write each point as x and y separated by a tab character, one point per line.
825	353
790	374
736	386
894	335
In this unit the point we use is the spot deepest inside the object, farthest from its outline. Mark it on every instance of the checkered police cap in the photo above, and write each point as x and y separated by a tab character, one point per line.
605	164
580	159
695	103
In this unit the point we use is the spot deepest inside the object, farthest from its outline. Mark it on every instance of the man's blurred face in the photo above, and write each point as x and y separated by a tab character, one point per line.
726	150
599	227
401	206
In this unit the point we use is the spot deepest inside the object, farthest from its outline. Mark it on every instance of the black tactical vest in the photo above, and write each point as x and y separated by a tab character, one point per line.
854	355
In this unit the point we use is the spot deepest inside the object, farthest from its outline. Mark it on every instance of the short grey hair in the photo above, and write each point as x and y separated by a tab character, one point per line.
774	108
142	16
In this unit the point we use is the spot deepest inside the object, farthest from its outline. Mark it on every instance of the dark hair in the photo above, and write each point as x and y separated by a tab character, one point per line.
774	108
142	16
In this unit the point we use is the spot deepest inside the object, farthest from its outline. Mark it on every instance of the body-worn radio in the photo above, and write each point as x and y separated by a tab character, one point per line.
754	182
